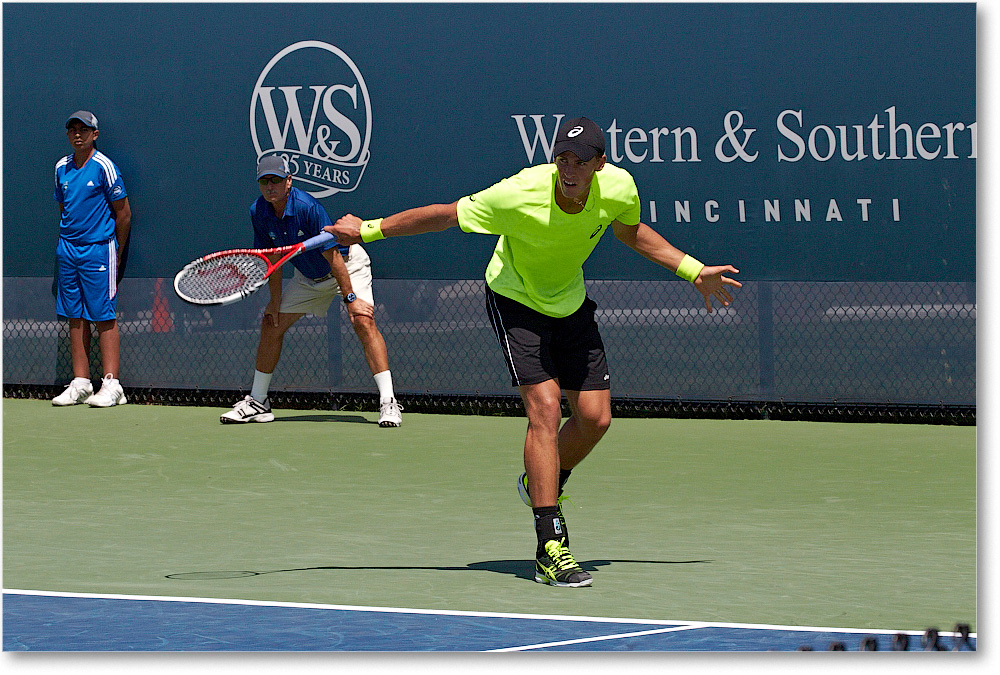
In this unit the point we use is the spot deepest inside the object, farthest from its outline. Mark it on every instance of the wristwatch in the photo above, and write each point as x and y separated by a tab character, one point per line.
349	298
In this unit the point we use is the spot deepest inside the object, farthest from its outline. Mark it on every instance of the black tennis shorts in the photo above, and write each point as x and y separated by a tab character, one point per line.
538	347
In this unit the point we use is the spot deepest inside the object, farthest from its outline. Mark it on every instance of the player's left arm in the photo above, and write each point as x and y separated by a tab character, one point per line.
710	281
123	221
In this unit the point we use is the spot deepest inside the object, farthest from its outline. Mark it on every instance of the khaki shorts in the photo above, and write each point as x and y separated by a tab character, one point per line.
301	295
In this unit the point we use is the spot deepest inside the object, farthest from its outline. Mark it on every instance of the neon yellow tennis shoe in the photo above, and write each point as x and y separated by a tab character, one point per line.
557	567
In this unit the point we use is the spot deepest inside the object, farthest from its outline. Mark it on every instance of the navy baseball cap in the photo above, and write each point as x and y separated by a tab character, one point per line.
84	116
581	136
272	165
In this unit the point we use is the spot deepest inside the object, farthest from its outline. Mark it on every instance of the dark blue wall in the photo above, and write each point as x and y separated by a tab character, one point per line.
173	86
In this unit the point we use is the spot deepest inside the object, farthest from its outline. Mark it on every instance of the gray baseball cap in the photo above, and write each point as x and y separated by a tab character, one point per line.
85	116
272	165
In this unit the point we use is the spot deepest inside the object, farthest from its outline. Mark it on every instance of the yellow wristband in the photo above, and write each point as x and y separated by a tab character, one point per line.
371	230
689	269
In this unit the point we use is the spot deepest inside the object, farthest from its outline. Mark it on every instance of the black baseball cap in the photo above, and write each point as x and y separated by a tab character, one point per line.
580	135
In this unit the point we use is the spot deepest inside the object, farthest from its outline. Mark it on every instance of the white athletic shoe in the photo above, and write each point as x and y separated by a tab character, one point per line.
78	391
249	410
390	414
110	394
522	488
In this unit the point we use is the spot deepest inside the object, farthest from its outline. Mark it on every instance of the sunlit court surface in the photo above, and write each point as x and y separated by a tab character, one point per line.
323	532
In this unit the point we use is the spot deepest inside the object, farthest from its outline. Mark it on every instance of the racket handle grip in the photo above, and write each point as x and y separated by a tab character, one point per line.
319	240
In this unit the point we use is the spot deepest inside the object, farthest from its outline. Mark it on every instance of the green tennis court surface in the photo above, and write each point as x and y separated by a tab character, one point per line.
787	523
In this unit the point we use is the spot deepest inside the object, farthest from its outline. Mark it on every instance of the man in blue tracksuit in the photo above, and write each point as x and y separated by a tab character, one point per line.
95	219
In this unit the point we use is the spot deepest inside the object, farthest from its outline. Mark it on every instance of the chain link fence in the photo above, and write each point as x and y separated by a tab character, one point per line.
886	344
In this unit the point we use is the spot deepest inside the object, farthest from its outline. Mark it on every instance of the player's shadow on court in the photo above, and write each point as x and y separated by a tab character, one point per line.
522	569
525	569
326	417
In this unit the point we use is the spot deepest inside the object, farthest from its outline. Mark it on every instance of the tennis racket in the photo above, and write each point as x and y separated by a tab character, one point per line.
229	276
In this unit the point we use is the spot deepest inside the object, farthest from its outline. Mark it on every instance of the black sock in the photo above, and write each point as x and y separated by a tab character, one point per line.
547	524
563	477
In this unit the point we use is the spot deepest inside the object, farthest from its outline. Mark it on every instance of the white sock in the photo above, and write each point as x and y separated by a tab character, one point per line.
383	381
261	383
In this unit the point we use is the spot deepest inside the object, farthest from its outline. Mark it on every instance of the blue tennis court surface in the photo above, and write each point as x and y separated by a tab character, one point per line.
42	621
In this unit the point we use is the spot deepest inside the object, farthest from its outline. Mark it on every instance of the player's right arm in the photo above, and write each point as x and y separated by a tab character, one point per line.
432	218
274	288
260	240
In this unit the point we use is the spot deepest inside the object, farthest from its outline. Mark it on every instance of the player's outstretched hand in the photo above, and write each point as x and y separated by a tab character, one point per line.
347	229
711	283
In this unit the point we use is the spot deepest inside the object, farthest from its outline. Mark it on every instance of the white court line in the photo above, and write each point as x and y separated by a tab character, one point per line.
673	624
619	636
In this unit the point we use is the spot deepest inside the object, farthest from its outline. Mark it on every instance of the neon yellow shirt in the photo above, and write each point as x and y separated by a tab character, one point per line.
538	260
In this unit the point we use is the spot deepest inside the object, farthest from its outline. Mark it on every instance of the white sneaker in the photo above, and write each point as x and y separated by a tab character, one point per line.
78	391
390	414
249	410
110	394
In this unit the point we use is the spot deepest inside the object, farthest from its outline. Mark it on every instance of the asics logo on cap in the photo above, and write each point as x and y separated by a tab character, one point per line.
574	132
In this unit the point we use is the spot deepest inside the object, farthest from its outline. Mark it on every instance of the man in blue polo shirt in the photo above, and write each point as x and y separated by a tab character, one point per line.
285	215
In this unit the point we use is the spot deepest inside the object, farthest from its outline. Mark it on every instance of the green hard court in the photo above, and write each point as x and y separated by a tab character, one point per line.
785	523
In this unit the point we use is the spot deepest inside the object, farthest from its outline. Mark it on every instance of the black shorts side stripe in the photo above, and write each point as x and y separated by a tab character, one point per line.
497	320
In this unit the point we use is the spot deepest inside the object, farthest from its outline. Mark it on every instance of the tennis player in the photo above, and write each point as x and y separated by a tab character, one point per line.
94	224
549	218
284	215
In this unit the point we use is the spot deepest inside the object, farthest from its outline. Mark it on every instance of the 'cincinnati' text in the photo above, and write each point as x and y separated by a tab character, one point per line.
776	210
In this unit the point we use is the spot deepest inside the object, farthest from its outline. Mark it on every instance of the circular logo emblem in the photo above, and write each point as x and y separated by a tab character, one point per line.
574	132
311	106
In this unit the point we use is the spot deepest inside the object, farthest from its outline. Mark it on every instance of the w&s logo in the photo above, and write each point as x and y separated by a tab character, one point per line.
311	106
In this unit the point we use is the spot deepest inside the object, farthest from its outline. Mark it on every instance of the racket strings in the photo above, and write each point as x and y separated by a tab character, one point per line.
222	276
